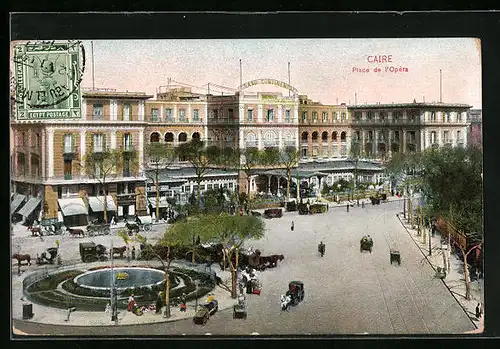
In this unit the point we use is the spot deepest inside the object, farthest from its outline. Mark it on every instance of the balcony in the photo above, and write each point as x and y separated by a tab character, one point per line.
68	176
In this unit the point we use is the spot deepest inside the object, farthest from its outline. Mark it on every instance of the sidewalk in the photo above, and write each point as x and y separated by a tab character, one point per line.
455	279
55	316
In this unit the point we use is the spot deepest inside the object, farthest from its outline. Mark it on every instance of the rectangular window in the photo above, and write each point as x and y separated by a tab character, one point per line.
216	185
225	185
459	117
196	115
270	115
182	114
304	152
97	114
324	116
126	112
168	114
446	136
287	115
369	115
315	116
249	115
215	114
154	114
343	116
231	113
209	186
202	187
127	142
98	140
397	115
68	143
230	185
447	115
304	116
433	116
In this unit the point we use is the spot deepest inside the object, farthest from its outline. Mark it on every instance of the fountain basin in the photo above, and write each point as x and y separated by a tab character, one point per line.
124	278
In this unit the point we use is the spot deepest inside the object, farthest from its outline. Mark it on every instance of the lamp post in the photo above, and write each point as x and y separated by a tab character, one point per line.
196	284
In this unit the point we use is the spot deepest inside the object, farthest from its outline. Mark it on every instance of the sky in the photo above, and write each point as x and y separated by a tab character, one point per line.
323	69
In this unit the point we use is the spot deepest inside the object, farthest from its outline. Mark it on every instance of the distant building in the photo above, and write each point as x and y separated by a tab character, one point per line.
475	132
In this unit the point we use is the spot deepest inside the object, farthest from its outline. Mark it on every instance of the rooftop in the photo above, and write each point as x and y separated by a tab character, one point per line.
410	105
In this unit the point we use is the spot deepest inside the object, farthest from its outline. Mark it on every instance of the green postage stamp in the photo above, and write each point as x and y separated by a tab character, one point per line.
47	78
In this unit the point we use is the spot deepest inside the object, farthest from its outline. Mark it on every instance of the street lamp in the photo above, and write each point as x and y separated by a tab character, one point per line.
196	284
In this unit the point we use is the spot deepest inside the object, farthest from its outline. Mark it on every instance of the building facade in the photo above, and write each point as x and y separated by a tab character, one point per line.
47	157
475	131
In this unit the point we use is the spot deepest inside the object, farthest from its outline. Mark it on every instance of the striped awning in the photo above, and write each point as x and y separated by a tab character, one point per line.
72	206
30	206
16	202
96	203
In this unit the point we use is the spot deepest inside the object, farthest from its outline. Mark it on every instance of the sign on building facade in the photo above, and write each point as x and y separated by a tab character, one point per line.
47	80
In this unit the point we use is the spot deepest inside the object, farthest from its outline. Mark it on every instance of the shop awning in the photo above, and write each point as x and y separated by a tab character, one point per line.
96	203
163	202
29	207
16	202
72	207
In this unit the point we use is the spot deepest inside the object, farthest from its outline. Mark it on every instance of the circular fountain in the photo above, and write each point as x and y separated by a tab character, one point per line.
124	278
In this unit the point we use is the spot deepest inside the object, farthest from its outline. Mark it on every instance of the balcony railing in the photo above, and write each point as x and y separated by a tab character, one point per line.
251	144
68	176
69	150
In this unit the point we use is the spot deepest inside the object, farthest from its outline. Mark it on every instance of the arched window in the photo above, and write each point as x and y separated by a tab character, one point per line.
251	140
154	138
343	136
305	136
314	136
196	135
169	137
334	135
289	141
182	137
270	139
324	136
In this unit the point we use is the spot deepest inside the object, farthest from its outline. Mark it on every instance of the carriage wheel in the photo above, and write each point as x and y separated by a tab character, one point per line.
91	233
147	227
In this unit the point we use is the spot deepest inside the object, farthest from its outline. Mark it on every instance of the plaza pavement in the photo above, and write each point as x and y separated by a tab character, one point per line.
347	292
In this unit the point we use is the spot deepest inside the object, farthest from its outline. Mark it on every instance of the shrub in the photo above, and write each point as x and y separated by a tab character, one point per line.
51	282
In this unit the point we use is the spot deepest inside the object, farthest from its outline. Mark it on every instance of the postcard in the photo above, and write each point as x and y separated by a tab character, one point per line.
246	187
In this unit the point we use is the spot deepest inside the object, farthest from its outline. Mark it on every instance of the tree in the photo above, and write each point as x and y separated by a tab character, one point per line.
230	231
451	177
108	164
159	156
245	160
355	153
288	157
123	233
172	241
202	158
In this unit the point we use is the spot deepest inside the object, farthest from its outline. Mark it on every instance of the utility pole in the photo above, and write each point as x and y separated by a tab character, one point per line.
93	76
241	76
289	78
440	86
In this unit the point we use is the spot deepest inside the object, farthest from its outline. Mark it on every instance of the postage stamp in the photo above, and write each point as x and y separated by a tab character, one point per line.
47	77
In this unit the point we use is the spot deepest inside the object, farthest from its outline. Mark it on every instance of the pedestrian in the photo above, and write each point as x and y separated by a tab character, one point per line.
347	207
131	302
113	222
159	303
133	252
183	305
292	227
478	310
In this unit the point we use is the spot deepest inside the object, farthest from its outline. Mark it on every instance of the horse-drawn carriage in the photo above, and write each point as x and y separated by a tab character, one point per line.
273	213
43	259
96	228
259	262
395	256
366	244
203	314
144	223
52	226
90	252
294	295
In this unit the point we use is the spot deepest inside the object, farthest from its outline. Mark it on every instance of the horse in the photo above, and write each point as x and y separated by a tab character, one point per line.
119	250
132	228
272	260
35	231
75	232
22	257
